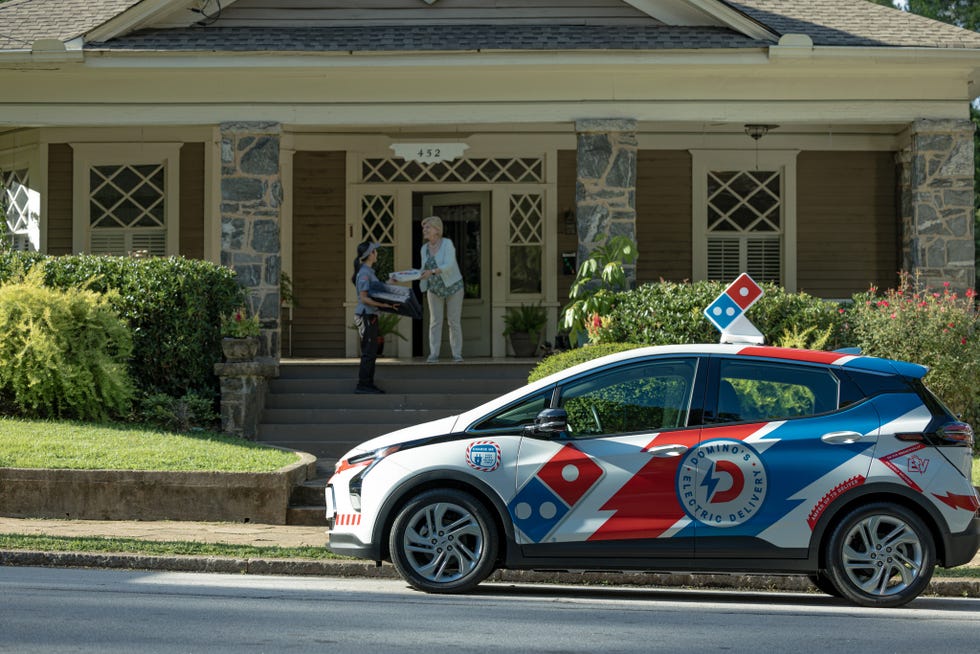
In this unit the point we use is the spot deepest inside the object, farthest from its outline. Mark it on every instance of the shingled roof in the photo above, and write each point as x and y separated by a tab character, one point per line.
855	23
848	23
443	38
24	21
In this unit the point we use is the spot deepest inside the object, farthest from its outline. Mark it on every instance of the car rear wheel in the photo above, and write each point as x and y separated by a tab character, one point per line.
881	555
443	541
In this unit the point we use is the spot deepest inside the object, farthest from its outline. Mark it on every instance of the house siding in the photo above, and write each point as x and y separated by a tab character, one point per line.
60	199
192	200
663	216
566	202
847	225
320	272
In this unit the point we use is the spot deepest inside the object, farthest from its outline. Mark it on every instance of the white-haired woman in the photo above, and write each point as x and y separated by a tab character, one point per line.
442	283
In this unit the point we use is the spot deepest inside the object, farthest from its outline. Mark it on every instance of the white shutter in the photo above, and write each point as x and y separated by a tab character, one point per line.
724	262
762	260
151	243
106	241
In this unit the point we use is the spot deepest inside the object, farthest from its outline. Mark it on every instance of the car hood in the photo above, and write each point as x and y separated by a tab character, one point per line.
431	428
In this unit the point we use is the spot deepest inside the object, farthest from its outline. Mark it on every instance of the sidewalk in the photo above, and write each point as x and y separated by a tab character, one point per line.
262	535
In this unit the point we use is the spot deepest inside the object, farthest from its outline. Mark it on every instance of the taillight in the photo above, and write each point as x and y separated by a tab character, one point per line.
956	433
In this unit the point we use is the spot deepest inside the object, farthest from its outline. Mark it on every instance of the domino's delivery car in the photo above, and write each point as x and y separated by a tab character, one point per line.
695	458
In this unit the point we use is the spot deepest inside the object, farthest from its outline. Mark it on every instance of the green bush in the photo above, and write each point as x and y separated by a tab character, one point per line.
173	308
568	358
668	313
183	414
63	352
938	329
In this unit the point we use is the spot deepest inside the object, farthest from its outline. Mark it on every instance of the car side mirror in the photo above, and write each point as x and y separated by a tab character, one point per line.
549	421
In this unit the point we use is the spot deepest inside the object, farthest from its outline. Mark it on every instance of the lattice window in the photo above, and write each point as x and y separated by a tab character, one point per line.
494	170
15	200
127	209
526	242
378	225
744	230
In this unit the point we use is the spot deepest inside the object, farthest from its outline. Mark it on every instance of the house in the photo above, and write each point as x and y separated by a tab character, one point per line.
821	144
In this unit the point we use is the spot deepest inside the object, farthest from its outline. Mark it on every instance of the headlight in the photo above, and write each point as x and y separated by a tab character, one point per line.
369	460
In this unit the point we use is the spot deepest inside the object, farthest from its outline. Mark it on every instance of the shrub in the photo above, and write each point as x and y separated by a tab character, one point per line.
173	308
667	313
568	358
596	283
936	329
63	352
187	413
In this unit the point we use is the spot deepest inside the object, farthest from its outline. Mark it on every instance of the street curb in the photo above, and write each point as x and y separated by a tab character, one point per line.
945	587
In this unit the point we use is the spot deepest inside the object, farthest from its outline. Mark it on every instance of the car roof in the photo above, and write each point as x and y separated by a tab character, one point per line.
843	359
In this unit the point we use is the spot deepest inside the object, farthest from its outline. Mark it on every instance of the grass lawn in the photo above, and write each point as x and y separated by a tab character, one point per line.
85	446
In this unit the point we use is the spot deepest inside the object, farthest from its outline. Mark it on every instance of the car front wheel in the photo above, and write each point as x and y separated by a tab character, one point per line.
881	555
443	541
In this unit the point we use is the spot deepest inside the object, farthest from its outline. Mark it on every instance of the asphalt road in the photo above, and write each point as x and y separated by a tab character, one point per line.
75	610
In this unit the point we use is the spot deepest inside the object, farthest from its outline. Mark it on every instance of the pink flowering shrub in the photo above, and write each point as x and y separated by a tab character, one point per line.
937	328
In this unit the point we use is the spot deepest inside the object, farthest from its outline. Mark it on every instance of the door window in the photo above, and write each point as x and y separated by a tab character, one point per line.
650	396
759	391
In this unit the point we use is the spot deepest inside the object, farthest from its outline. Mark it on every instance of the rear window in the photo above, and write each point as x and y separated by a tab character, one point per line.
763	391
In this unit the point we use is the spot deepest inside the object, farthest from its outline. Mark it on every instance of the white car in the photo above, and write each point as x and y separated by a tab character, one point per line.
703	458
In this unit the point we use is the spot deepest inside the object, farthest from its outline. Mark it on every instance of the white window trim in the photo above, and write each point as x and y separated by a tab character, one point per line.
21	158
87	155
706	160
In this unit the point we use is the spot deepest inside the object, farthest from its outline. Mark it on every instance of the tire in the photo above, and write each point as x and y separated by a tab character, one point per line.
881	555
443	541
823	583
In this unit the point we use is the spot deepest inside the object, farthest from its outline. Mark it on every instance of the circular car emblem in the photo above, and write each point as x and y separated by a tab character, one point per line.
483	455
721	483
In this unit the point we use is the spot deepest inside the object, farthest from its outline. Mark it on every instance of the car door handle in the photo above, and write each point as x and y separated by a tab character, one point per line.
667	450
841	437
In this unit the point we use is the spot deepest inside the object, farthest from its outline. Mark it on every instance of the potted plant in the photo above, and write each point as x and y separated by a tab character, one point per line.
240	334
523	325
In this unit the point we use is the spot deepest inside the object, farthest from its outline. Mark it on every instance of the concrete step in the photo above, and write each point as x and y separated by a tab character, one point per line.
330	417
309	493
345	386
398	369
306	515
457	402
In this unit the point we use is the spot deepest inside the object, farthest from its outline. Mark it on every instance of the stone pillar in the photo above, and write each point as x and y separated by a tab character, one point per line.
605	185
937	203
243	389
251	197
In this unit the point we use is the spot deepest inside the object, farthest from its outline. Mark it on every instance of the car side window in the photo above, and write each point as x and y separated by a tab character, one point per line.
517	415
763	391
650	396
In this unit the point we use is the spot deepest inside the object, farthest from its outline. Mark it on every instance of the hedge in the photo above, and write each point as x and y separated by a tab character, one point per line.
173	308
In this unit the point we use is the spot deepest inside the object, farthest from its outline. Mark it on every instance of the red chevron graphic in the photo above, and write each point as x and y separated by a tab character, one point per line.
968	502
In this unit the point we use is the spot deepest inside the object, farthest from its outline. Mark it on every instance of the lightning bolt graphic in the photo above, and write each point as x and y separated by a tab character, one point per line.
710	482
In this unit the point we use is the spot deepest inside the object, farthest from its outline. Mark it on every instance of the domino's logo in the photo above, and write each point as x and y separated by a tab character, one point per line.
544	501
727	312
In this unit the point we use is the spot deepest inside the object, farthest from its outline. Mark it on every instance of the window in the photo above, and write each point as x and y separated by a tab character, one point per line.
130	199
755	391
21	205
651	396
517	415
744	216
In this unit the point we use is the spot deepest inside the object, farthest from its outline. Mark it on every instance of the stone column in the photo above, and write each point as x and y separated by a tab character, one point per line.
244	386
605	185
251	197
937	203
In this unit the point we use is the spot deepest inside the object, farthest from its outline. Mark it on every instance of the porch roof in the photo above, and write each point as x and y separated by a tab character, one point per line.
421	38
841	23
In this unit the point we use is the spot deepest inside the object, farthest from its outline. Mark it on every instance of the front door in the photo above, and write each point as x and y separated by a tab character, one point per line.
464	216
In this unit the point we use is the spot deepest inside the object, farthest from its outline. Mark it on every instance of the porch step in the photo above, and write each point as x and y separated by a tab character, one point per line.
312	407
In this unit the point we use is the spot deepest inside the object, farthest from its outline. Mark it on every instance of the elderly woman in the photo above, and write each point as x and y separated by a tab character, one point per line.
442	283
